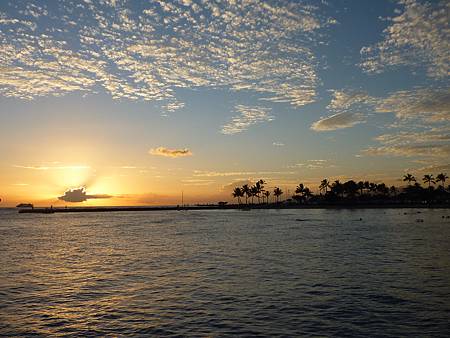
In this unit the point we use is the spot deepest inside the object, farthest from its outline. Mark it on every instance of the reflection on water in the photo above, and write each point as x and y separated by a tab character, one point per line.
263	272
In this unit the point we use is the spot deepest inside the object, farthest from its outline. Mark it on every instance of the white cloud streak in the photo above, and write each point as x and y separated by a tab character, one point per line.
248	116
338	121
418	37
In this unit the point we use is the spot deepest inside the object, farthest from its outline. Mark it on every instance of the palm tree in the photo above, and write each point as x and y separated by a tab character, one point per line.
393	190
409	178
277	192
259	188
366	185
307	194
300	193
382	189
254	191
428	179
267	194
350	188
373	187
237	193
441	178
246	191
337	188
361	187
324	185
300	188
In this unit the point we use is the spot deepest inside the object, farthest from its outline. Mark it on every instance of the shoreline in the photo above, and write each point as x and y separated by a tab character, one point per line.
43	210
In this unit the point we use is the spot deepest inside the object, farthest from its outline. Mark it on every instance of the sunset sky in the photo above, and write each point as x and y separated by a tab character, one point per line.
137	101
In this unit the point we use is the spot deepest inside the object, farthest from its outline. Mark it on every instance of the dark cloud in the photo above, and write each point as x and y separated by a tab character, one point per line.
79	195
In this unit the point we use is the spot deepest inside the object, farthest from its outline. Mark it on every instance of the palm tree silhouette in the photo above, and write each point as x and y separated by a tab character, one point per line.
361	187
267	194
347	192
277	192
382	189
254	191
409	178
300	188
299	193
337	188
307	194
246	191
351	188
324	185
259	189
237	193
302	193
372	187
366	185
441	178
428	179
393	190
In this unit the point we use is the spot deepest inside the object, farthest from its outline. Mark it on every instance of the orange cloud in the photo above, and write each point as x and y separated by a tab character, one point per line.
167	152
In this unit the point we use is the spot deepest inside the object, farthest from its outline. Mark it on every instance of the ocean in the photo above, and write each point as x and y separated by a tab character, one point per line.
382	272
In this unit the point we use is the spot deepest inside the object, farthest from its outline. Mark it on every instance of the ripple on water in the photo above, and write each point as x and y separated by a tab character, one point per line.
203	273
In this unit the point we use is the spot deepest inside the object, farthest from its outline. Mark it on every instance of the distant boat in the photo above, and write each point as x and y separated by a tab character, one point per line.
25	205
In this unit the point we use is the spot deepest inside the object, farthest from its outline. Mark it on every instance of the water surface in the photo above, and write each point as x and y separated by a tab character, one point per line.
226	272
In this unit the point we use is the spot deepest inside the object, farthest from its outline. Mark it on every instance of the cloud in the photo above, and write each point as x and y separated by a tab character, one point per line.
170	107
167	152
248	116
426	106
147	52
429	104
418	37
313	164
79	195
415	150
197	182
347	107
437	167
430	143
229	187
423	126
64	167
349	100
202	173
411	137
338	121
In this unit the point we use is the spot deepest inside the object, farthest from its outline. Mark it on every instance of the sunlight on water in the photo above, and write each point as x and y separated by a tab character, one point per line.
262	272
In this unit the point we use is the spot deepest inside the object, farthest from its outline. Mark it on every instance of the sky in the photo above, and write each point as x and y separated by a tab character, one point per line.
114	102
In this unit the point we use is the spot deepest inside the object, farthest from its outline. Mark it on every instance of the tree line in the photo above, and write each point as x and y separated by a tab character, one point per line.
434	190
